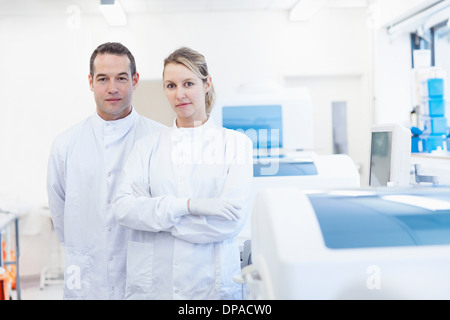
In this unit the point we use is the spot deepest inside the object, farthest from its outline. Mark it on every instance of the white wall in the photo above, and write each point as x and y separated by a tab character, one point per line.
44	64
393	78
394	86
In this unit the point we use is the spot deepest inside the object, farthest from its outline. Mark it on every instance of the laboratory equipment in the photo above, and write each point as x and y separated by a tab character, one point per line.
430	108
377	243
279	123
390	155
7	218
281	115
435	164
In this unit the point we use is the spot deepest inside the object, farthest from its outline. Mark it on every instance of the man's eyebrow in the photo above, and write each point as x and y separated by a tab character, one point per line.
104	75
100	75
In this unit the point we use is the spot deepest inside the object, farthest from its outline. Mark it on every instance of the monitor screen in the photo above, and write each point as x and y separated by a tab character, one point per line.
380	158
390	155
261	123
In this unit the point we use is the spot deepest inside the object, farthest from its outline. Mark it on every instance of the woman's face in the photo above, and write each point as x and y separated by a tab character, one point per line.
186	94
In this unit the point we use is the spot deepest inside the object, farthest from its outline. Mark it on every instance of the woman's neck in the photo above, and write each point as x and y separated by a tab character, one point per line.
190	123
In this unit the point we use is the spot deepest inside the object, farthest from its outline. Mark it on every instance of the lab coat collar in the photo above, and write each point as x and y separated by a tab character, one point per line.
210	123
123	123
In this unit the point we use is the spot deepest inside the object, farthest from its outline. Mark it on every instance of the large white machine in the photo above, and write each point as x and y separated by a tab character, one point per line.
280	123
305	170
378	243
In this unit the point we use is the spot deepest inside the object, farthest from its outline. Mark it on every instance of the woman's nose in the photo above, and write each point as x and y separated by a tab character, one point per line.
181	94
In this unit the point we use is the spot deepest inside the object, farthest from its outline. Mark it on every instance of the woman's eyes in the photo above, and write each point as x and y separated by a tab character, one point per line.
185	84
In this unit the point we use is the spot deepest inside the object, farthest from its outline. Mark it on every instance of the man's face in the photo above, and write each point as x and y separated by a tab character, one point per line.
113	86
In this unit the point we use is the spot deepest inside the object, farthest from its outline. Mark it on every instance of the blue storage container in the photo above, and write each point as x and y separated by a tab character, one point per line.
431	143
416	144
436	107
436	87
435	125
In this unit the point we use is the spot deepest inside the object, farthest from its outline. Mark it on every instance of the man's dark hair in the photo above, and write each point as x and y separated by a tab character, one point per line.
112	48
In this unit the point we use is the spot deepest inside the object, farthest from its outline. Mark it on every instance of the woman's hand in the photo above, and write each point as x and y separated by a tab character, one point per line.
214	207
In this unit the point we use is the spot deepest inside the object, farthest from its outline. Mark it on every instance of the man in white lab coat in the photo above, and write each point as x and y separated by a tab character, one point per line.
83	170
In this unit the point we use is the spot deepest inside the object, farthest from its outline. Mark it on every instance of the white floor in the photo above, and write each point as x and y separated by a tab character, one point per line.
30	290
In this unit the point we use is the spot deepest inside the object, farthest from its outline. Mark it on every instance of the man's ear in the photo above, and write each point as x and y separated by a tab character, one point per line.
135	80
91	82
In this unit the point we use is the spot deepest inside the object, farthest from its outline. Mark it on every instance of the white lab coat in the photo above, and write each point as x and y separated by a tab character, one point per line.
84	165
173	254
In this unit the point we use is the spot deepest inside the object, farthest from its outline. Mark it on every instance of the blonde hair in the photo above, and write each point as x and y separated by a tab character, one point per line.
196	62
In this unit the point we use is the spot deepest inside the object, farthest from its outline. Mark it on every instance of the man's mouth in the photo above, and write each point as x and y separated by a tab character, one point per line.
113	99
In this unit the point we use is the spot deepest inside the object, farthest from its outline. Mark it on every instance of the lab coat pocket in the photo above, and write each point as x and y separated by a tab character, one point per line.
139	268
77	280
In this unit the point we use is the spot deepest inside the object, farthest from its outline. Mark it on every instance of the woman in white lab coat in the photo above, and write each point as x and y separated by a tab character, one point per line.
185	194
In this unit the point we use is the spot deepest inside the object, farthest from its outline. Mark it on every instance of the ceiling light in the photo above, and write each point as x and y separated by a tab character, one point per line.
305	9
113	12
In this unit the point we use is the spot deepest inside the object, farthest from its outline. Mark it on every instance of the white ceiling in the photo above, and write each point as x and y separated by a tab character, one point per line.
15	7
210	5
143	6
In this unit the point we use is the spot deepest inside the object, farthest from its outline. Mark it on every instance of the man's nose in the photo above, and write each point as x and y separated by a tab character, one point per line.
112	87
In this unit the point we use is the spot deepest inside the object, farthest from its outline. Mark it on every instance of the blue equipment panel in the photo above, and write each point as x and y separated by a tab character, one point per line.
261	123
373	221
283	169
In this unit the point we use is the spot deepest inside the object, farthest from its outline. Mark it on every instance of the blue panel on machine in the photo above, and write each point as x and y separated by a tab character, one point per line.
382	221
261	123
279	168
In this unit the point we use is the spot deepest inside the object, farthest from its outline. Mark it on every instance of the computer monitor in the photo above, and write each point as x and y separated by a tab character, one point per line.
261	123
390	155
280	120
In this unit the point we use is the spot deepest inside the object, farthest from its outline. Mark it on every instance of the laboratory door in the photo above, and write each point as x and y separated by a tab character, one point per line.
344	97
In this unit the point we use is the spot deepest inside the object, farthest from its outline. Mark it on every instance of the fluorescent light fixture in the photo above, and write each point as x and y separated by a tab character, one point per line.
305	9
417	16
113	12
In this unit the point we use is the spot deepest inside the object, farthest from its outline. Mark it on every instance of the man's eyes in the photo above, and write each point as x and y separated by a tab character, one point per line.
104	79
